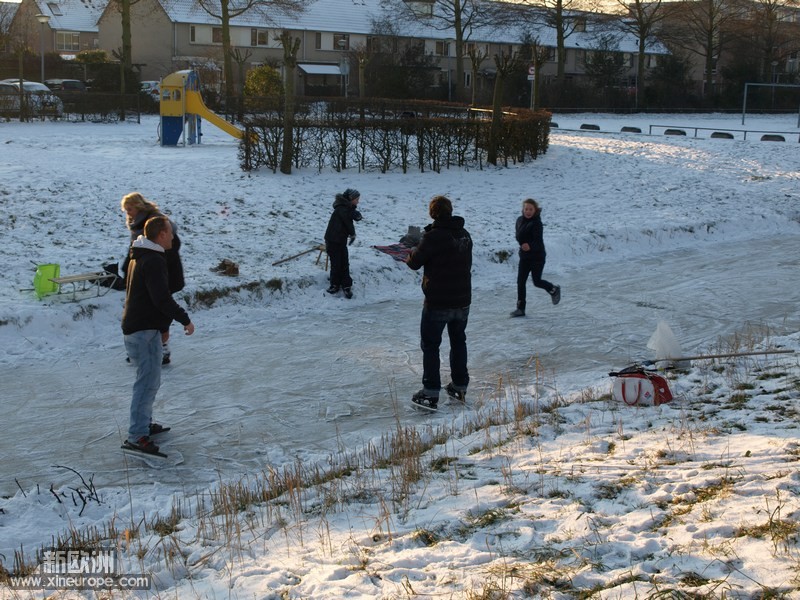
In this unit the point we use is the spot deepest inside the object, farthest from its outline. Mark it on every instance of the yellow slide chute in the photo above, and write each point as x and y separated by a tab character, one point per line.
196	106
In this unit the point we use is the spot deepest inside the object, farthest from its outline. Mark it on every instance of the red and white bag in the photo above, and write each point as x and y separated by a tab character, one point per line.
636	387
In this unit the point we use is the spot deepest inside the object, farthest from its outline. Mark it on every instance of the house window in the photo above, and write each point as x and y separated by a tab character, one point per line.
341	41
192	34
470	47
259	37
373	44
68	41
442	48
216	35
422	9
467	79
651	61
318	41
580	25
54	8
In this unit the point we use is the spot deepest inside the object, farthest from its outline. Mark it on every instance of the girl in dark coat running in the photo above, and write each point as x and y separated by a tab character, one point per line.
531	255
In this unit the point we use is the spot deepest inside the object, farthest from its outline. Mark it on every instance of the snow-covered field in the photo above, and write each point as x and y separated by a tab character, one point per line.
565	493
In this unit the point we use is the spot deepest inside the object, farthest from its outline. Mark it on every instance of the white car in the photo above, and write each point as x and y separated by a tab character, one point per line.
152	89
41	102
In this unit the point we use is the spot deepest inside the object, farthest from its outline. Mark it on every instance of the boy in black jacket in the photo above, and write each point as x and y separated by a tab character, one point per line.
338	235
445	252
149	309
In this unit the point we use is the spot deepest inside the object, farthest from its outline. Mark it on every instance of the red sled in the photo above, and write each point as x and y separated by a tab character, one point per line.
636	387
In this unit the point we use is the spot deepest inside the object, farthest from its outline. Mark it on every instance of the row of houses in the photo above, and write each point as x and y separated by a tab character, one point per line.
169	35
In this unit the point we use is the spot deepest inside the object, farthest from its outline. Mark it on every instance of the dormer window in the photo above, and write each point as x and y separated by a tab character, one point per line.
421	9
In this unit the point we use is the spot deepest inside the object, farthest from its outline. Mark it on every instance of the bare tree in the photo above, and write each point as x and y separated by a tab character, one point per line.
562	16
291	45
505	63
126	51
539	55
642	18
240	57
476	58
397	66
459	17
362	56
6	15
225	10
774	37
699	27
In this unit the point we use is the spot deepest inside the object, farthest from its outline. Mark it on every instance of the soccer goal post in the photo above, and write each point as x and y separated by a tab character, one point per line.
768	85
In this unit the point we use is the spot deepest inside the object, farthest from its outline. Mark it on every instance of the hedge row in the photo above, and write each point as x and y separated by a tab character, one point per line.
437	137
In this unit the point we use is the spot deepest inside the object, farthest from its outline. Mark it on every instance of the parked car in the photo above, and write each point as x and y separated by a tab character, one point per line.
40	101
66	85
152	89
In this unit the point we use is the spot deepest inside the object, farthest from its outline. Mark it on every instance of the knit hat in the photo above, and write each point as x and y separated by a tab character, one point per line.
351	194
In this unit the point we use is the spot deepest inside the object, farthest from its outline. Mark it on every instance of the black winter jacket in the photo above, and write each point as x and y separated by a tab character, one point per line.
530	231
148	301
173	256
340	225
446	253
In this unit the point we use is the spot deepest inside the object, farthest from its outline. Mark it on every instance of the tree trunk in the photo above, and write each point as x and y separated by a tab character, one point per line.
127	45
290	48
226	52
459	82
497	118
640	101
362	81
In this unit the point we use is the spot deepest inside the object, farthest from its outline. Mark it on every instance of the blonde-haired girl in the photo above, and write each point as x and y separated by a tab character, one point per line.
531	255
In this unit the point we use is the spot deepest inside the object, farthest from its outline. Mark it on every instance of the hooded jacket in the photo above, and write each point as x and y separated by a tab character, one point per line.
340	225
174	264
530	231
148	301
445	252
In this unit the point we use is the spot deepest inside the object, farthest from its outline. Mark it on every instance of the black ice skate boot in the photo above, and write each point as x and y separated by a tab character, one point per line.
520	311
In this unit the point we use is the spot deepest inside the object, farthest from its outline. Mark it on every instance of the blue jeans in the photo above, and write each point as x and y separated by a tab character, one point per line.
433	322
144	348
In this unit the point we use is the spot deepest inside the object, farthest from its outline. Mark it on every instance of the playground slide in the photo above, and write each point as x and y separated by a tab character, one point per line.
195	105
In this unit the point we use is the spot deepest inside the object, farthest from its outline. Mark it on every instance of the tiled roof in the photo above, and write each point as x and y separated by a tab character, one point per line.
357	16
72	15
9	9
334	16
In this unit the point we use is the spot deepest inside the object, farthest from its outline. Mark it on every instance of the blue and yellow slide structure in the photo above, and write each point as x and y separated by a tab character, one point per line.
182	107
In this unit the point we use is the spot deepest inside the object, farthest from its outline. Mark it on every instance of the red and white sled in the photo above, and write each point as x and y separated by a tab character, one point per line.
637	387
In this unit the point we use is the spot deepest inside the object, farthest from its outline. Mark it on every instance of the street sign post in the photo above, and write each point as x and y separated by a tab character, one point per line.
532	78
